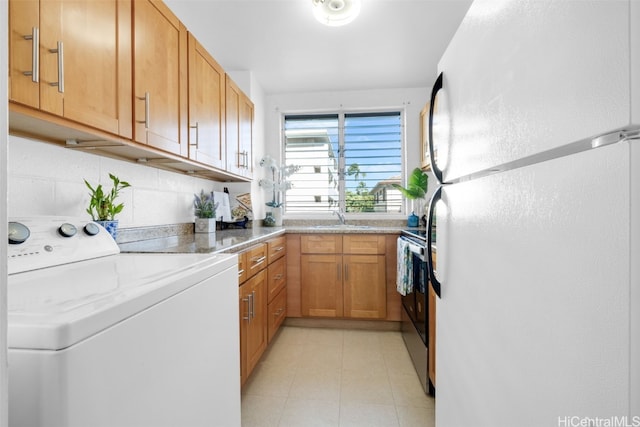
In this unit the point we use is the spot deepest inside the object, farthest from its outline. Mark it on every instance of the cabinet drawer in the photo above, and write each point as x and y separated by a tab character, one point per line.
364	244
277	277
243	274
321	244
256	258
276	248
277	313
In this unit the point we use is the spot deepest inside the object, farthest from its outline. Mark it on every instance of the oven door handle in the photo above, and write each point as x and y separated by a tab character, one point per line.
435	283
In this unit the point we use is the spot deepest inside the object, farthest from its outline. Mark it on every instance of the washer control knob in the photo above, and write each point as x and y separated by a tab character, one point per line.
91	229
67	230
18	233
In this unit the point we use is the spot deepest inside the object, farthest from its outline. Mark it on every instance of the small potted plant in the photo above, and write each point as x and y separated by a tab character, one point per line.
204	208
416	190
102	204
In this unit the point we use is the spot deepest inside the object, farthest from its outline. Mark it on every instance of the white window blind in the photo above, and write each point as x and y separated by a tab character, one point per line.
348	161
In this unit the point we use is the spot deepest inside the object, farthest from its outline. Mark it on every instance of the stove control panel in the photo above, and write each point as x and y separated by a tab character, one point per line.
40	242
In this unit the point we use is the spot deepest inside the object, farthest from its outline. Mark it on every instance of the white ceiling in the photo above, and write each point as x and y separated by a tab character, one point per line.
392	44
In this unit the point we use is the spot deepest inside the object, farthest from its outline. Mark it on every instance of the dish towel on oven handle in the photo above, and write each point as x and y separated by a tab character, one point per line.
404	273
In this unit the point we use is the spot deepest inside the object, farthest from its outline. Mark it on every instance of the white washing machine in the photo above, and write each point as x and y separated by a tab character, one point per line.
100	338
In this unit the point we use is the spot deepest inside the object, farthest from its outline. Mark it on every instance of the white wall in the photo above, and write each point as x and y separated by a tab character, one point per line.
45	179
412	100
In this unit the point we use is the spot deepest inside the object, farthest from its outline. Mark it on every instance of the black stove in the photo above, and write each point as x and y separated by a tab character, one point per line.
416	233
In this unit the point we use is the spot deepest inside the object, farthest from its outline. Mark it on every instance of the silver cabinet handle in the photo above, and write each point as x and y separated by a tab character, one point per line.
240	272
197	136
279	248
246	160
260	260
279	276
35	58
146	100
60	51
346	272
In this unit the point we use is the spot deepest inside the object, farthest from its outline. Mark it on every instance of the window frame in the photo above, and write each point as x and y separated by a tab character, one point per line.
342	113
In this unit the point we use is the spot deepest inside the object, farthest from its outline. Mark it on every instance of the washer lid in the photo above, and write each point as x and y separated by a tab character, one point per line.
54	308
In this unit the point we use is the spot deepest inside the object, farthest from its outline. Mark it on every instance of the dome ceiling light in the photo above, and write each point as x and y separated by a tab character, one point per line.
335	13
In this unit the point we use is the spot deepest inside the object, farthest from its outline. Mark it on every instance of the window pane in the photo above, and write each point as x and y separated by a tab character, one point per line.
367	157
373	161
311	142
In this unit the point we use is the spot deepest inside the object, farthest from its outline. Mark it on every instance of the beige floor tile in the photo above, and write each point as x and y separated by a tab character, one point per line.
261	411
407	391
316	385
365	387
269	382
310	413
362	414
410	416
325	377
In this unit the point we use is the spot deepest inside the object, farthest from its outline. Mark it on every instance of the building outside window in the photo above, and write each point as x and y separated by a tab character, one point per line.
348	162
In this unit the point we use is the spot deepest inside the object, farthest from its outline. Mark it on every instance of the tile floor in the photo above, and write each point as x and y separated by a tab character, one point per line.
335	377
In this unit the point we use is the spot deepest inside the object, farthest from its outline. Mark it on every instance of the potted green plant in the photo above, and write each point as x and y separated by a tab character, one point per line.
204	208
416	190
102	204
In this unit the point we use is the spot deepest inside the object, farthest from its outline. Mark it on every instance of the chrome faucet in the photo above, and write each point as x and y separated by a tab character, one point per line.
340	217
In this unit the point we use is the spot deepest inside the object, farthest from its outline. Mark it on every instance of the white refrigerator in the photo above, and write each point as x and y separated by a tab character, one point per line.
535	135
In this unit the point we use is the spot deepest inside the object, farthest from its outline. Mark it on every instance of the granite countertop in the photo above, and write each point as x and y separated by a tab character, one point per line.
234	240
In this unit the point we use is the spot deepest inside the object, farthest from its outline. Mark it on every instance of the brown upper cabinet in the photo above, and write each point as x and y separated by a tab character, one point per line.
72	59
425	164
125	79
239	130
206	107
159	77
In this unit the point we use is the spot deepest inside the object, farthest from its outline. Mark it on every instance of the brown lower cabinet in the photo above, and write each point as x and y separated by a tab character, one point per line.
343	276
253	323
262	299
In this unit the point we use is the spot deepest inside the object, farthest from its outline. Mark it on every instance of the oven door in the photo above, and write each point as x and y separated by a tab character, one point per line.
414	303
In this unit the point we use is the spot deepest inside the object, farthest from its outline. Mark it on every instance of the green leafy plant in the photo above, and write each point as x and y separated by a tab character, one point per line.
204	206
416	186
102	205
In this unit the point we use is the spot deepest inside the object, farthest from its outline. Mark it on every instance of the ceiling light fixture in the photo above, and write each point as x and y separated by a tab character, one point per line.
335	13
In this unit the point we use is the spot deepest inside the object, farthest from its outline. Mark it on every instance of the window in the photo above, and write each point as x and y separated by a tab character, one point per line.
347	161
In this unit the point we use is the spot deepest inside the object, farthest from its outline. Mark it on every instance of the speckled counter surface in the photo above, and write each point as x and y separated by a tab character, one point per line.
238	239
220	241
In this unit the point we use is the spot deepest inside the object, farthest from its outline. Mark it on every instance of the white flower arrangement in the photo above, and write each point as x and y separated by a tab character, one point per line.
278	183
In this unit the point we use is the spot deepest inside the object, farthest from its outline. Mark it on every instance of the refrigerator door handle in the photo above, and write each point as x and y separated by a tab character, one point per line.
435	283
432	160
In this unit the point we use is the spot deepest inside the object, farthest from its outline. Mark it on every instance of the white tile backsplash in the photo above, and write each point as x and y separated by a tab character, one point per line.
45	179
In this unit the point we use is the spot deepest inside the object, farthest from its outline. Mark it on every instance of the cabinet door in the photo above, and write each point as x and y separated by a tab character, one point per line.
82	61
321	285
277	277
160	78
424	138
365	294
24	27
277	313
257	324
239	129
206	107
